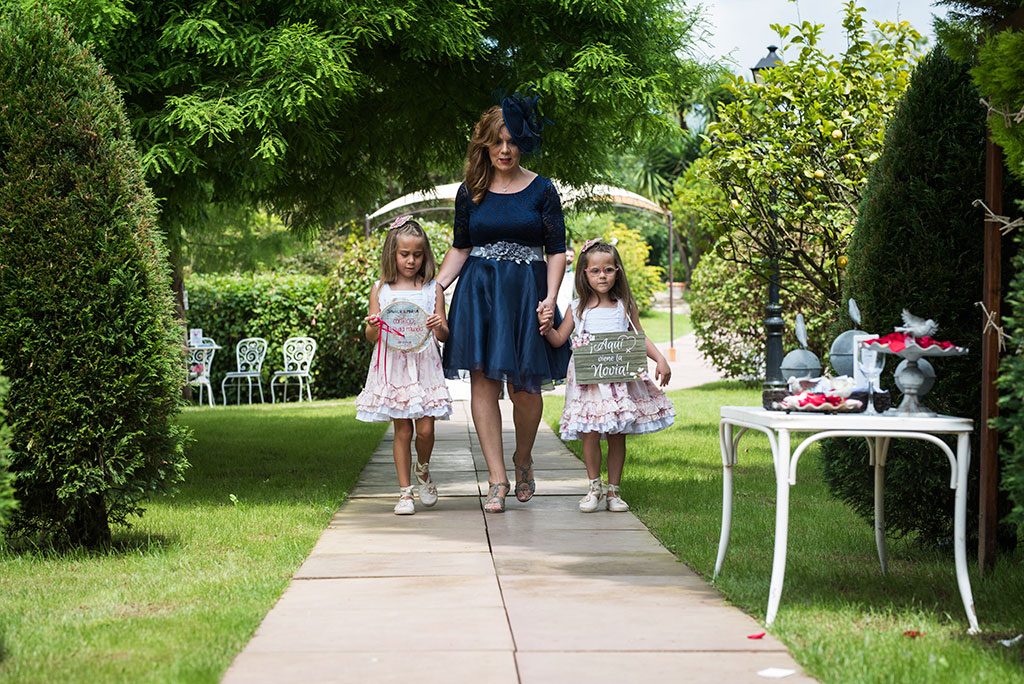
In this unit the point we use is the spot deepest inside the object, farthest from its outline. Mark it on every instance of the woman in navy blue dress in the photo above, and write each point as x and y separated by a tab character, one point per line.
506	220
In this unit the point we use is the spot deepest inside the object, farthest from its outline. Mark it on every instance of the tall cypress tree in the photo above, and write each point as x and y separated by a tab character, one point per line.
918	245
87	336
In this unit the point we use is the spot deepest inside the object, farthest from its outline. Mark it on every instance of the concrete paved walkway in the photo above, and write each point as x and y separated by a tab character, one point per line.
541	593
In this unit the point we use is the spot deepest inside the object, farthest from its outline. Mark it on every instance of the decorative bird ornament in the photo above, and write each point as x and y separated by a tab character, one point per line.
801	331
854	312
915	326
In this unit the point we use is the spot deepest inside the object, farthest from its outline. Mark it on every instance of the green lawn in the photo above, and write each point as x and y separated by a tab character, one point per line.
656	325
842	620
186	587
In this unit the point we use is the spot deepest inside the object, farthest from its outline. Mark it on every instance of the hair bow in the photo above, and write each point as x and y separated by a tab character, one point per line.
400	221
589	243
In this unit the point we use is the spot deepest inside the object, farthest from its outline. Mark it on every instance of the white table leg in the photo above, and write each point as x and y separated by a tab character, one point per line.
879	449
725	441
963	461
781	458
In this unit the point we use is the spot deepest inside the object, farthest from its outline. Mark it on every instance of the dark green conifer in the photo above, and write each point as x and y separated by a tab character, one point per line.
87	337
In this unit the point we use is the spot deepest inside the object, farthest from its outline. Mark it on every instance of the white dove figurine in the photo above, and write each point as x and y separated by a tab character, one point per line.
854	312
916	326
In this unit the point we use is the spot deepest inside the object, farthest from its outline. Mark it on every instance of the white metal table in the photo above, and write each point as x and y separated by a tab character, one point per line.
878	430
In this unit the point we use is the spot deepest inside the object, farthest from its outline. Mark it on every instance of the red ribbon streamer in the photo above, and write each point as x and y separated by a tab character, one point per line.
383	330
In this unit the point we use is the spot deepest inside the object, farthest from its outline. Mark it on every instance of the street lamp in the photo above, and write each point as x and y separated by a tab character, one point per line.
773	323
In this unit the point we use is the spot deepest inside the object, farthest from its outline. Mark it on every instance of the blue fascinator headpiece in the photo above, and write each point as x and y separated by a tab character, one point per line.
523	121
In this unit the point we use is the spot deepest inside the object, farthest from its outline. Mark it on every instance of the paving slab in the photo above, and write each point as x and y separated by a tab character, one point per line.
541	593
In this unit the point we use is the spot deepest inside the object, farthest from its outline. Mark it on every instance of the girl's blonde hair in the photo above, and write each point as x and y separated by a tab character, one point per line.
389	254
478	169
620	290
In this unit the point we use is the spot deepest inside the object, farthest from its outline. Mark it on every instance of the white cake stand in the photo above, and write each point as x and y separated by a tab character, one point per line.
911	378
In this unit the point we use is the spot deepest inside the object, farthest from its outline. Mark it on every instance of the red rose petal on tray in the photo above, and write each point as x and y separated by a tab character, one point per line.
756	636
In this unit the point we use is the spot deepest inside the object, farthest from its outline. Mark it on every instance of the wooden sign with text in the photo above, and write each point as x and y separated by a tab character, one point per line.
610	357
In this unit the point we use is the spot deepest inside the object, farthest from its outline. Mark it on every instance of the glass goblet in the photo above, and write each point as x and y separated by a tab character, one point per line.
871	364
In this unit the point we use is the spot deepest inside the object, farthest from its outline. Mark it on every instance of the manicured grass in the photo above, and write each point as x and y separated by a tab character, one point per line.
842	620
655	325
184	589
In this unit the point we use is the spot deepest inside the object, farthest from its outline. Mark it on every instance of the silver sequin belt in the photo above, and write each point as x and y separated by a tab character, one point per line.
508	251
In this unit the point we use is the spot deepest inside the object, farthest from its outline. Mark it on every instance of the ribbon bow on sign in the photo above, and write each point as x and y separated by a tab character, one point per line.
383	330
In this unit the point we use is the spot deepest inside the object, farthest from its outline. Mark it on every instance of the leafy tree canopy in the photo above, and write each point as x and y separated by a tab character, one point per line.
311	108
788	158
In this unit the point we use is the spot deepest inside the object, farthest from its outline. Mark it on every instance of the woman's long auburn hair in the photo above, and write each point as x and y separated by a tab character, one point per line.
620	290
389	254
478	170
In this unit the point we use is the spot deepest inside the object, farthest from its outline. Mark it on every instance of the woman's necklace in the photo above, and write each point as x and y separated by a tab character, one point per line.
511	180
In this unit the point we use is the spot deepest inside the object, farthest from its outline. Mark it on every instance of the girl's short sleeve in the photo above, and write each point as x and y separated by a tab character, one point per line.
552	219
461	238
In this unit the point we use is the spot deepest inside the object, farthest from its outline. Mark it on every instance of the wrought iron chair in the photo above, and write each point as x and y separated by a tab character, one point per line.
298	357
200	360
249	355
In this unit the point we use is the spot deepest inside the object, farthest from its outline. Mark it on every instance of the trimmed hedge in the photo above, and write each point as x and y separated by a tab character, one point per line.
274	307
7	501
1010	421
87	334
917	245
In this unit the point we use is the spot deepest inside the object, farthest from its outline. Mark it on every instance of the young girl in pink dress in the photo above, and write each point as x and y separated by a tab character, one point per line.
609	409
407	387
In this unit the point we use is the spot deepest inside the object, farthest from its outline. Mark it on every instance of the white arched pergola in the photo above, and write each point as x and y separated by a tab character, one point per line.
442	198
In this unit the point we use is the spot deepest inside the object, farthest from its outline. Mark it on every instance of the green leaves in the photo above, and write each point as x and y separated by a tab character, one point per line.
794	152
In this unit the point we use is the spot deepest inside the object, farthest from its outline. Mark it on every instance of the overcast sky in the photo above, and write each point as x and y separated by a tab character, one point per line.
740	28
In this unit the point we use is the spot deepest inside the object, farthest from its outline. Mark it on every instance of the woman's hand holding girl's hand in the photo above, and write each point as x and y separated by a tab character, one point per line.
662	372
433	322
545	315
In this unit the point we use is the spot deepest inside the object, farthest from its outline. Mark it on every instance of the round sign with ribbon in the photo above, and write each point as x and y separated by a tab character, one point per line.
406	326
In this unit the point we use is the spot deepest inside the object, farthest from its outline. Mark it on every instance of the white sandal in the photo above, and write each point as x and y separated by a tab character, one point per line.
613	501
592	501
406	505
427	488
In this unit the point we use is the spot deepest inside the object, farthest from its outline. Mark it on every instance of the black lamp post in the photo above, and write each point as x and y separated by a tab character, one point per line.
773	323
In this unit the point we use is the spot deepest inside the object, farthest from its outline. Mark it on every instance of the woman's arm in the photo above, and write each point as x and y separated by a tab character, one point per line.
372	332
452	265
437	321
557	337
662	371
556	270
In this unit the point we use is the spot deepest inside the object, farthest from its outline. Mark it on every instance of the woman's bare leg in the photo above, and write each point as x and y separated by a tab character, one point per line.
487	420
527	410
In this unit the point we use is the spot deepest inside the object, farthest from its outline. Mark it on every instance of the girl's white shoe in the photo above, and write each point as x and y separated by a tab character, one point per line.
613	501
592	501
405	505
427	488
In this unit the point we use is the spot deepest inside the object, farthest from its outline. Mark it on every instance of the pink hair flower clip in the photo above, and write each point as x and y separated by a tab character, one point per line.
589	243
400	221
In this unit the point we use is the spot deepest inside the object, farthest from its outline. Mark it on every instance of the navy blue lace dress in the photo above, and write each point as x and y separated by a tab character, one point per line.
493	317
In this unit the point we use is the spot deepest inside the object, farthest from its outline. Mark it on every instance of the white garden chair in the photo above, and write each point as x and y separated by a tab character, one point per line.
298	357
249	355
200	360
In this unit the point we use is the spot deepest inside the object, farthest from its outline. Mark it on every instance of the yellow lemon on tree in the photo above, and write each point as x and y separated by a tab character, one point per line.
842	261
819	174
837	134
735	204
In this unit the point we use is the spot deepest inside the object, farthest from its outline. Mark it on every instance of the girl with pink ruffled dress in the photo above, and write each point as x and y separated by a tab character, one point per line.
407	387
609	410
